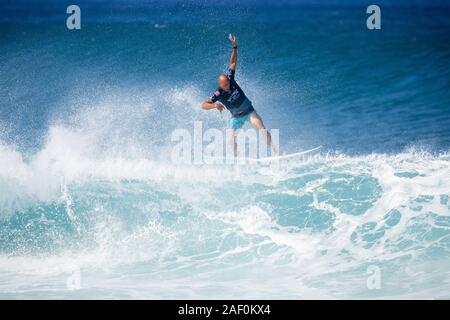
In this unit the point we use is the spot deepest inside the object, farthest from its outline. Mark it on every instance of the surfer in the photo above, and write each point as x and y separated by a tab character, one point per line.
231	96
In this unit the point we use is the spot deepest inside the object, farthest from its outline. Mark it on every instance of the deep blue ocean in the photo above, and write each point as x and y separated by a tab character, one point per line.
87	188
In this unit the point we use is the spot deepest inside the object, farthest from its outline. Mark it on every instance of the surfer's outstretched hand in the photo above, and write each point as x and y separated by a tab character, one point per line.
233	40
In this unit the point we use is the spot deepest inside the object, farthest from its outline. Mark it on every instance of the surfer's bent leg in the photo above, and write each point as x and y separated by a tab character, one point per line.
256	120
232	141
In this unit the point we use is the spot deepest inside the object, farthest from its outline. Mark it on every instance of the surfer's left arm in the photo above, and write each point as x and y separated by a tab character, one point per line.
233	59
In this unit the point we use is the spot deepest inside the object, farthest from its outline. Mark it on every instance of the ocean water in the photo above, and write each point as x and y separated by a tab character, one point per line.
91	205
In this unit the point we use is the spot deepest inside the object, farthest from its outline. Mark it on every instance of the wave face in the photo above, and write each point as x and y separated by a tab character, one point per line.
88	191
139	228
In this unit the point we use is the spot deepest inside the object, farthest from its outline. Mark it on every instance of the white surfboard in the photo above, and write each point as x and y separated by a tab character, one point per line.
285	156
269	159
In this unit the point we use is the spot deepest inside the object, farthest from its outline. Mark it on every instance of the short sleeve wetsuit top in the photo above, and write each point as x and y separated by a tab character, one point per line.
235	99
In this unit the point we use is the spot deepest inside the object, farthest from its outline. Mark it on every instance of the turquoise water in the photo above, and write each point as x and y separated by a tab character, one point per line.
87	186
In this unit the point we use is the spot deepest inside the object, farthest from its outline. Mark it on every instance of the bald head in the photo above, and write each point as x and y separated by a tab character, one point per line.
224	82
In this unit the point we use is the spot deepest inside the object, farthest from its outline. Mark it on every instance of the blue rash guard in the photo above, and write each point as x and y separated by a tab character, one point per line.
234	100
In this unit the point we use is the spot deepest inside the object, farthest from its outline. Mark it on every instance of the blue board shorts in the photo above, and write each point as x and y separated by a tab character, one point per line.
237	123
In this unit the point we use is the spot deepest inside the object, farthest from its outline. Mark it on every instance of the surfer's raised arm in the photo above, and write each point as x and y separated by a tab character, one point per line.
233	59
224	80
